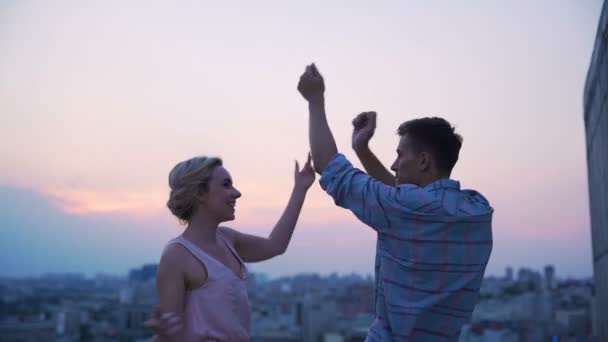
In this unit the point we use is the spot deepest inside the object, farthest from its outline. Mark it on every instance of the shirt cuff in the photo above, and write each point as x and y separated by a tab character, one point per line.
336	165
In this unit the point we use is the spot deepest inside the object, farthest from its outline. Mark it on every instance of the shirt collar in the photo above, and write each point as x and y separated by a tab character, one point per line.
444	183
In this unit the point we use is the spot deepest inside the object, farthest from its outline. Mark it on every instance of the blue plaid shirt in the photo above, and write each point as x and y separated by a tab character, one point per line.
432	249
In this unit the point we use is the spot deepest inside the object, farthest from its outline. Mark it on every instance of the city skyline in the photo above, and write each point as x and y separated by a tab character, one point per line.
533	306
100	101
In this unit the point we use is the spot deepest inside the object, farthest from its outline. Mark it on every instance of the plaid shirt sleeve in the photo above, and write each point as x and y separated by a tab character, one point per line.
373	202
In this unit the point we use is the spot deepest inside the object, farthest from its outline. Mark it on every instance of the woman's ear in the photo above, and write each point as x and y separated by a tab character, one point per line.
202	194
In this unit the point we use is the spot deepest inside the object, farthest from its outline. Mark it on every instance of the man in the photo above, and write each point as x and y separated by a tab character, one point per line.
433	239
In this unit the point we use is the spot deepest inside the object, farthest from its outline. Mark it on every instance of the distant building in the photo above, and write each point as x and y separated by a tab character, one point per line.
550	282
574	321
543	306
137	302
492	286
314	317
596	127
143	274
509	274
130	321
27	331
68	322
529	279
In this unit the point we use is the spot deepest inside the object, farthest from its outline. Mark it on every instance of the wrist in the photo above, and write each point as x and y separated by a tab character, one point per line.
362	149
317	101
300	189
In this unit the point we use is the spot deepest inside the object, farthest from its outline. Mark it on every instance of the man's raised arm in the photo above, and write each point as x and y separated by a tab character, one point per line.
364	126
322	144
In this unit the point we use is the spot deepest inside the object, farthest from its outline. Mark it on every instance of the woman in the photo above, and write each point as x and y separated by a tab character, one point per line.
202	277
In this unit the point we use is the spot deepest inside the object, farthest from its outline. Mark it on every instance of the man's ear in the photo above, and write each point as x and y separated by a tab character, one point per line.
424	161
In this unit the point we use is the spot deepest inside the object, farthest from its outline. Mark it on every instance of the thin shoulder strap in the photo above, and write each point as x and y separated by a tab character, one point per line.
196	251
228	243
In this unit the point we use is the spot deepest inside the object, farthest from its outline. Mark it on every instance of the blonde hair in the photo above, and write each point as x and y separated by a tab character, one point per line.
186	180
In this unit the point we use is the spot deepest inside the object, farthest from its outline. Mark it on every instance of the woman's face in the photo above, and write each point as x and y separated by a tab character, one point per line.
220	199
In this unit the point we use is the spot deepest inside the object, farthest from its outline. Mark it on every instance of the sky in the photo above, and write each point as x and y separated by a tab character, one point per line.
99	100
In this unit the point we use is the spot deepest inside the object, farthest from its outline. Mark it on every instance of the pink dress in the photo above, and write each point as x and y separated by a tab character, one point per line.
219	309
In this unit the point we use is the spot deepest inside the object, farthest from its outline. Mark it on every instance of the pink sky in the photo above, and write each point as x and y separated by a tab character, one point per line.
100	100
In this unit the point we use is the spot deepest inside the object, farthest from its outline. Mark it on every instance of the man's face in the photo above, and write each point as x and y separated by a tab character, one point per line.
406	166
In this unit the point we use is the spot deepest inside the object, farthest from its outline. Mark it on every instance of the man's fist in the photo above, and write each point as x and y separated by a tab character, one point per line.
311	84
364	126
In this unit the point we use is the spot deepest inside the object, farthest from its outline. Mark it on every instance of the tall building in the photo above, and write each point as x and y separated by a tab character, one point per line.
596	128
550	282
509	274
143	274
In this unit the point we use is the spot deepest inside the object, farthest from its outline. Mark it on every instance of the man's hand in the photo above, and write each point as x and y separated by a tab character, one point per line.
364	126
311	84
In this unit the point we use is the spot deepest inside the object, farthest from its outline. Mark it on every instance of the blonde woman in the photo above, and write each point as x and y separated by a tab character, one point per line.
202	276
